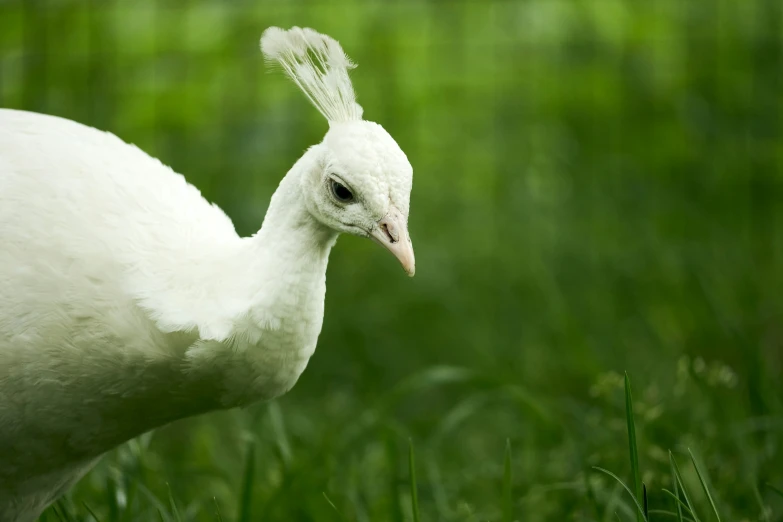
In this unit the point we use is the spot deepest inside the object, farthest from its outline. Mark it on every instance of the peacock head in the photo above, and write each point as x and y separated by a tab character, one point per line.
363	180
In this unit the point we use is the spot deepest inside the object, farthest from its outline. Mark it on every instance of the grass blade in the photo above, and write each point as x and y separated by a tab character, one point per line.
155	501
173	504
329	501
776	489
676	493
278	428
247	484
393	456
765	513
678	476
703	482
111	499
65	511
91	512
669	514
217	510
414	489
640	511
127	515
57	512
634	452
507	503
680	504
592	498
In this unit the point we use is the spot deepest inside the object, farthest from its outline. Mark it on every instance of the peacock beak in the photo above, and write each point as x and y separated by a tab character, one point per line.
391	232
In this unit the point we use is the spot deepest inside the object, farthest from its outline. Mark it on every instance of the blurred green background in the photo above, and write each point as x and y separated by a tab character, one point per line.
597	189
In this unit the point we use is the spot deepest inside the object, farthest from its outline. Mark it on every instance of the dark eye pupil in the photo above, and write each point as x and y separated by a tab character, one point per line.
341	192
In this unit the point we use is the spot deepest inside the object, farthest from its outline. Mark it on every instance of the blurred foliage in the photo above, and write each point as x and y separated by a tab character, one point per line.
598	188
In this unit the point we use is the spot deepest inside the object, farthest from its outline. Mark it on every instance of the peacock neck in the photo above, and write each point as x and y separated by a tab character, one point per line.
290	234
291	250
283	273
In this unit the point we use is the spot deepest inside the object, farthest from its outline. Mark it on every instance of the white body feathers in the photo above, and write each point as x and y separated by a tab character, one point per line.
128	301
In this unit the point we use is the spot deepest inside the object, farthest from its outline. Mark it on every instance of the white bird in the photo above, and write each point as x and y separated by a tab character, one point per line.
128	301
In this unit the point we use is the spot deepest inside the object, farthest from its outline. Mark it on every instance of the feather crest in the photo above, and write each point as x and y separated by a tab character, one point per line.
318	66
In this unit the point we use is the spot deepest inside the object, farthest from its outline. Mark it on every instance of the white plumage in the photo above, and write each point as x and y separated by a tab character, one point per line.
128	301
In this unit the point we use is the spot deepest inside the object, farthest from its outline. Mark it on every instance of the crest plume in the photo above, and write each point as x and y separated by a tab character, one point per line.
317	65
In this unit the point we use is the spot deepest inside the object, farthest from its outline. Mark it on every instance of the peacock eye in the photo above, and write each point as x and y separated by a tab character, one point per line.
341	192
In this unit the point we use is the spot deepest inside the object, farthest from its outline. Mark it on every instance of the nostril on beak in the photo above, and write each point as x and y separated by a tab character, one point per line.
388	233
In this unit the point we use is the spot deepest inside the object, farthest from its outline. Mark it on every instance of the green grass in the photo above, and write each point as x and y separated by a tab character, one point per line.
414	487
352	473
641	499
508	498
639	493
246	503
